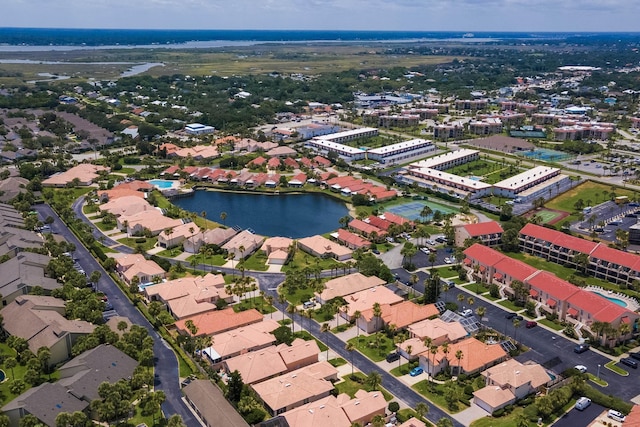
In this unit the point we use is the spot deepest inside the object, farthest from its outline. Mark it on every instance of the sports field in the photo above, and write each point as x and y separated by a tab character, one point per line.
411	210
549	216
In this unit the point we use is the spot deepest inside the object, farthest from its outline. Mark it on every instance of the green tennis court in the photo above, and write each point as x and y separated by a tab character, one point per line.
411	210
549	216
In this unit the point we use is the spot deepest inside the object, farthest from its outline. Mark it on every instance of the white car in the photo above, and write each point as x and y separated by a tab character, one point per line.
448	260
425	250
580	368
615	415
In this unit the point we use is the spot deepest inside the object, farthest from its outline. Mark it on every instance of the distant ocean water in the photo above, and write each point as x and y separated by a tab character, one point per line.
82	38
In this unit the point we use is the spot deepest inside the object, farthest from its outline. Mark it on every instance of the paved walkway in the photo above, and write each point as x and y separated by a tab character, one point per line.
471	414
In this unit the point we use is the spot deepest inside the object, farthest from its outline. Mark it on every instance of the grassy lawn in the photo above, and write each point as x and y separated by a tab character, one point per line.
476	288
403	369
350	387
302	259
586	191
257	302
338	361
506	421
367	346
446	272
552	325
208	260
599	381
510	305
86	209
299	295
170	253
615	368
104	227
149	243
492	172
257	261
435	393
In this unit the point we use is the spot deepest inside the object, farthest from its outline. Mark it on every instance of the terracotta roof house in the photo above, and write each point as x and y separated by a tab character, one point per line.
633	419
241	340
351	240
396	219
40	321
189	296
257	162
117	193
321	161
216	322
277	250
135	185
508	382
22	273
296	388
340	411
291	163
364	300
215	236
210	405
412	422
85	173
273	163
347	285
266	363
172	237
152	220
487	233
324	248
378	222
401	315
245	240
476	356
282	151
130	265
324	412
298	180
438	330
126	205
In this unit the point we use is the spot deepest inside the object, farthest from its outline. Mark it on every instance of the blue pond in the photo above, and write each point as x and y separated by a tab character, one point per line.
2	375
287	215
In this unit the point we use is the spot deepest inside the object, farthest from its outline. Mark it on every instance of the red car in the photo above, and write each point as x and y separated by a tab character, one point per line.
531	324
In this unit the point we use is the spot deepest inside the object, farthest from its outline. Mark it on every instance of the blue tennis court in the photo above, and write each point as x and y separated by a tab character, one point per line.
545	154
411	210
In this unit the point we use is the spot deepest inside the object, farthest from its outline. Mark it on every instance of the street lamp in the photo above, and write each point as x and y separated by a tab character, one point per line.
598	372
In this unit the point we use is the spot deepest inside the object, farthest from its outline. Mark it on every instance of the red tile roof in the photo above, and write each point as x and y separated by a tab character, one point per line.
352	239
397	219
558	238
483	254
514	268
382	224
483	228
365	228
616	256
552	285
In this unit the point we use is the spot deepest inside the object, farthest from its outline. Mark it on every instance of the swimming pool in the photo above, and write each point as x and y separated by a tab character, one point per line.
618	301
162	184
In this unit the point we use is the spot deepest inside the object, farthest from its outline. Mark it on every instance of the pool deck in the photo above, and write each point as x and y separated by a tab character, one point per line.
632	303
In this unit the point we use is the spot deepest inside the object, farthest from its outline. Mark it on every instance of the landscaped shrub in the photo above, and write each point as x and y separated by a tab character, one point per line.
393	406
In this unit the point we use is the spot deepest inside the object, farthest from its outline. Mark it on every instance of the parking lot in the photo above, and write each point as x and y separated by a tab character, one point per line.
613	216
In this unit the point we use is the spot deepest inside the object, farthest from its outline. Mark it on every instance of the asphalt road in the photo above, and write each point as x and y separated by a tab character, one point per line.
575	418
166	365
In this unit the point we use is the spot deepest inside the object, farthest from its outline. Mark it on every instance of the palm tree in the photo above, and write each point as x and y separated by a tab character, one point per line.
516	325
291	310
480	311
350	348
377	313
223	217
357	315
421	409
374	379
282	300
459	357
325	328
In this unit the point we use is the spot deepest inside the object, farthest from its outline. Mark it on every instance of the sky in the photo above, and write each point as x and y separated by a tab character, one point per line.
415	15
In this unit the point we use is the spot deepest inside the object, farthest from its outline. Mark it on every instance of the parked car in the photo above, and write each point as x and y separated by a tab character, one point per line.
531	324
629	362
440	239
518	318
615	415
634	356
510	315
416	371
583	403
466	313
375	251
393	357
309	304
425	250
448	260
581	348
580	368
